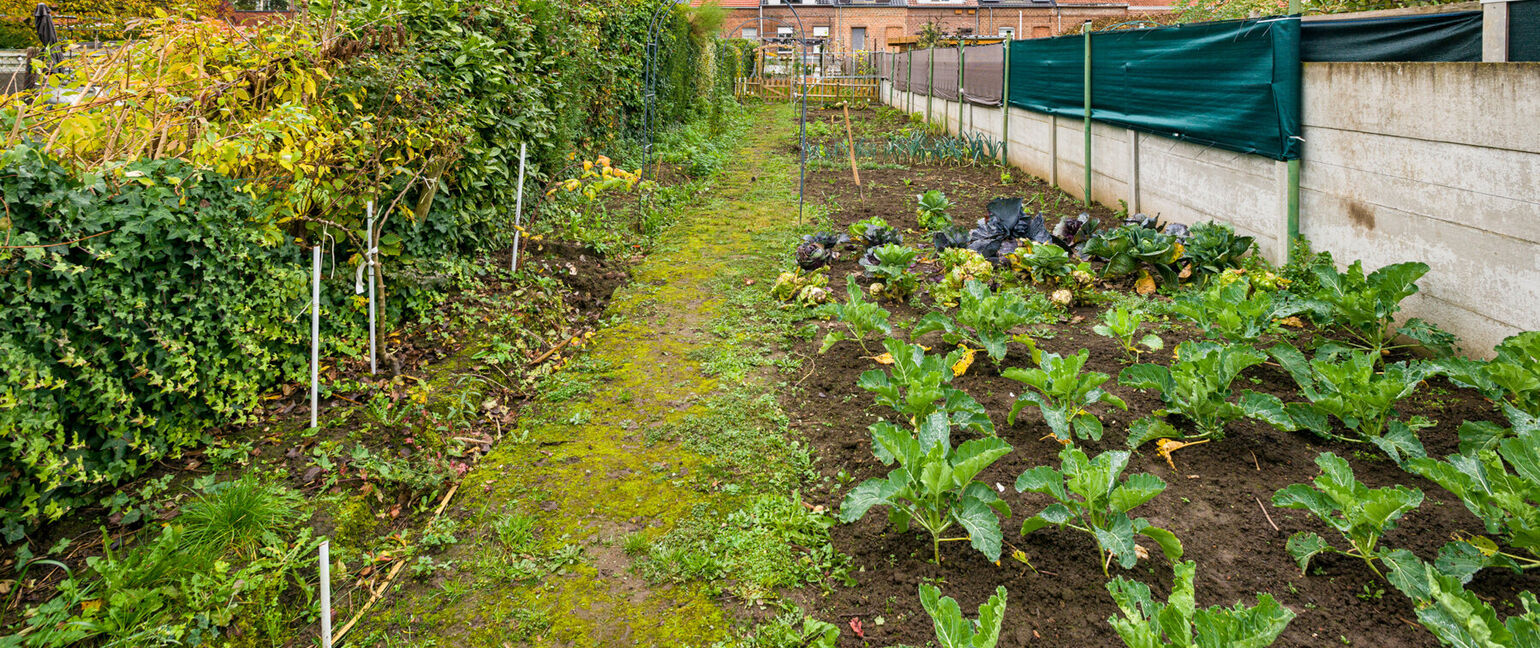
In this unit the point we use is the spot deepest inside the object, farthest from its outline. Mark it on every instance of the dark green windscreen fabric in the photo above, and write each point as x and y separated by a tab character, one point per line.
1524	30
1233	85
1432	38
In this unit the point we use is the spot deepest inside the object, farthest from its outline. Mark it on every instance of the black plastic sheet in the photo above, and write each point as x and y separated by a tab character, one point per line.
1426	38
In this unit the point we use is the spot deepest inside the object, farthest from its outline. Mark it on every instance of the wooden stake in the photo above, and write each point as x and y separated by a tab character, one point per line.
850	141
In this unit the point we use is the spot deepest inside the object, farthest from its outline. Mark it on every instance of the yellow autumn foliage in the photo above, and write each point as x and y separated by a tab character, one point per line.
113	8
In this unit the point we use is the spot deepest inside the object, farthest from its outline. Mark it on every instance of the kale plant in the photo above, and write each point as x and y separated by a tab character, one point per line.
1091	499
1502	487
1179	623
1362	515
1122	325
1064	394
920	385
859	317
1197	386
955	631
984	317
1512	377
1232	311
1364	306
1346	386
933	486
1459	617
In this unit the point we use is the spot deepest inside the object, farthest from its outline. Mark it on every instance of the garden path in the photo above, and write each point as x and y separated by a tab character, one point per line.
588	474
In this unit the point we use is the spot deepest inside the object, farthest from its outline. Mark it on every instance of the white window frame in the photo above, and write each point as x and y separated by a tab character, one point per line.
750	33
1008	32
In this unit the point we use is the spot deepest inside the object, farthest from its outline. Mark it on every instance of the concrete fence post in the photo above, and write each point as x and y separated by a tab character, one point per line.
1053	150
1280	253
1494	31
1133	172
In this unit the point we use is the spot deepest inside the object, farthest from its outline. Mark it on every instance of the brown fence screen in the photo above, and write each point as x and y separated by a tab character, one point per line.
900	70
919	82
984	75
947	62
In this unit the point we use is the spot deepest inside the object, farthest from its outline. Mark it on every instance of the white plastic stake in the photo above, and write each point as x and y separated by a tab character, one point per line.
326	594
315	330
518	214
369	258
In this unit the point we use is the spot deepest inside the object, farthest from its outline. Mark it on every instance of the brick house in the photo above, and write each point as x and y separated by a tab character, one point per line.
892	25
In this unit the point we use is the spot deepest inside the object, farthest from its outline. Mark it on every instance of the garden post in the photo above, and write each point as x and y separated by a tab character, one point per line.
518	213
962	74
1086	29
1005	104
315	329
909	90
930	86
326	593
372	247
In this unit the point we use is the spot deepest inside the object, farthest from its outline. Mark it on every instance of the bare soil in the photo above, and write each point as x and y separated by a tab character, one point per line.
1218	501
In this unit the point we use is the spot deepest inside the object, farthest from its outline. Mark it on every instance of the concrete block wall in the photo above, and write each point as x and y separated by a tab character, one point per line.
1448	173
1433	162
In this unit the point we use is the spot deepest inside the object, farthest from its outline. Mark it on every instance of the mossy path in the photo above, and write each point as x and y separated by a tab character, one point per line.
552	523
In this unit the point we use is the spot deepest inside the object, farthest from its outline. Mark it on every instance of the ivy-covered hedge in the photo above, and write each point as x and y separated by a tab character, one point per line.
125	346
172	290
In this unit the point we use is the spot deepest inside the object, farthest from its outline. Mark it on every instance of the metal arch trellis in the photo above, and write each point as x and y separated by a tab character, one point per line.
650	98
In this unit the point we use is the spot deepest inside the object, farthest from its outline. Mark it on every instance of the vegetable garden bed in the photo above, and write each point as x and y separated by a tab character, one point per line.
1218	499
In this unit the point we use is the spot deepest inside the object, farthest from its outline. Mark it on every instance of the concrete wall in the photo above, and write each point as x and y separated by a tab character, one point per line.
1447	173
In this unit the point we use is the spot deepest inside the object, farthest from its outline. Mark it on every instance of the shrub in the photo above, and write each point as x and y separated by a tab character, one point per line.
122	348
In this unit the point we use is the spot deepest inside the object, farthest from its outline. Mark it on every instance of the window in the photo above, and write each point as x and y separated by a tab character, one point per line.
820	32
784	32
1007	32
750	33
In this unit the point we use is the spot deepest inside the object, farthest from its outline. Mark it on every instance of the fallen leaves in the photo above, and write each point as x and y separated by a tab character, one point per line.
961	366
1146	284
1164	447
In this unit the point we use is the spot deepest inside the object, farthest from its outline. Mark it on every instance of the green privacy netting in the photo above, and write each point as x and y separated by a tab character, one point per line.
1233	85
1439	37
1524	30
